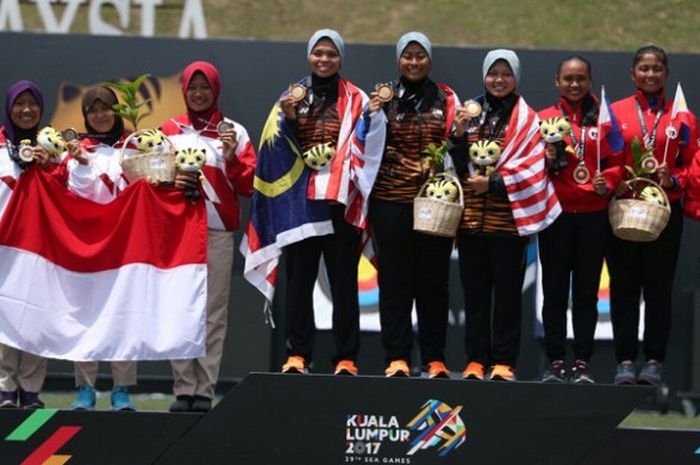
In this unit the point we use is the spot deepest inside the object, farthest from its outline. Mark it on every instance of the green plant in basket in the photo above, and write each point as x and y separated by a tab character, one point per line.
130	106
441	186
644	165
434	157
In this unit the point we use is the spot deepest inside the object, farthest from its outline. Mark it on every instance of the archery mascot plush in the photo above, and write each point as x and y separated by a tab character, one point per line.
442	187
653	194
51	141
319	156
484	155
151	140
191	160
554	130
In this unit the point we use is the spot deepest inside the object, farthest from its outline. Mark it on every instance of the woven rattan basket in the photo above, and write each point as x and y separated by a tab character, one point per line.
156	167
639	220
438	217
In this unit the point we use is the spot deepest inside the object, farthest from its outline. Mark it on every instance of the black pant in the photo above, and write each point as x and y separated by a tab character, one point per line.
411	266
571	252
492	264
647	267
341	253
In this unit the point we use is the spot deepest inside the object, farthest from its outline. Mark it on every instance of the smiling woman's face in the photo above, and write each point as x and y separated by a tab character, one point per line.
499	81
25	112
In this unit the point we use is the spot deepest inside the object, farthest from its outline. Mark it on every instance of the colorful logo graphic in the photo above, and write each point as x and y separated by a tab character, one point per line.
45	454
440	426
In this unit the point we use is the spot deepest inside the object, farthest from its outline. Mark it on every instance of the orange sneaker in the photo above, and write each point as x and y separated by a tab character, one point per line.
438	370
502	373
474	370
397	368
346	367
295	364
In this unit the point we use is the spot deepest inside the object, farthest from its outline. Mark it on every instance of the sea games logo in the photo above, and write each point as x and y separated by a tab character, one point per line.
437	425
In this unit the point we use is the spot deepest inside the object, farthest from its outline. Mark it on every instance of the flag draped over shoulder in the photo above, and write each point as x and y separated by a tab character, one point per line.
522	165
289	202
124	280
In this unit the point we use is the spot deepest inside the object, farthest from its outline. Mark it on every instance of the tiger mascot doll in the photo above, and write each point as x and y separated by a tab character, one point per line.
484	154
553	131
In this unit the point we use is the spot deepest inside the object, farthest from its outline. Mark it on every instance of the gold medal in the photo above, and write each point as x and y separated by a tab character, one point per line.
650	164
384	92
472	108
224	127
297	92
581	174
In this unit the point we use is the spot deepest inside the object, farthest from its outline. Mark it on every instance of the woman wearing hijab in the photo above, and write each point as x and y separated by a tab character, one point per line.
322	121
228	173
412	266
572	248
94	173
504	203
21	374
648	268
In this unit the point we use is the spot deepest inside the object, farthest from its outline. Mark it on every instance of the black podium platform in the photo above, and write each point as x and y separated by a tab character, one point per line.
277	419
273	419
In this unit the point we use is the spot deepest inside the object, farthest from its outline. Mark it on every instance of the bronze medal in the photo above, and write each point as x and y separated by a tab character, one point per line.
671	132
297	92
384	92
472	108
70	134
581	174
650	164
25	151
224	127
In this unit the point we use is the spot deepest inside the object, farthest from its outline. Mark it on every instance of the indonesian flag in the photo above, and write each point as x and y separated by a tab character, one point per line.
680	115
522	165
81	281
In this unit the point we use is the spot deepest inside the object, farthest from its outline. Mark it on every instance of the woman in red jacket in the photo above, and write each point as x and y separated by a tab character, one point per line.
228	173
649	267
572	249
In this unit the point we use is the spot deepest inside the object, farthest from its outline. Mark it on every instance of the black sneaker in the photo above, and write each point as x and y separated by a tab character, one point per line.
8	399
650	374
580	374
555	373
625	373
201	404
181	404
30	400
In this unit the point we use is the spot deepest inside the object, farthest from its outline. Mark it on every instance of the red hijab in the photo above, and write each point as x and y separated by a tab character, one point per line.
212	114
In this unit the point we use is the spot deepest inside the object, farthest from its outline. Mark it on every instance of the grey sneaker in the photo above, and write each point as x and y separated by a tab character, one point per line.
580	374
625	373
651	373
555	372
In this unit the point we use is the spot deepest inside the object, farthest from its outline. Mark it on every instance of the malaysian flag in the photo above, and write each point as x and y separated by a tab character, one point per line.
522	165
289	201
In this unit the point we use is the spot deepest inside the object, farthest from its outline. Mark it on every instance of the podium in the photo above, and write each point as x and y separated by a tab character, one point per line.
275	419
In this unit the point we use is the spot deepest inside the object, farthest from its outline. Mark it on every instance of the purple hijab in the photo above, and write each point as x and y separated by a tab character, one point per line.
13	132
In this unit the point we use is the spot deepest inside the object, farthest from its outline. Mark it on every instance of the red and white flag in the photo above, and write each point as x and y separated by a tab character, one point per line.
86	281
522	165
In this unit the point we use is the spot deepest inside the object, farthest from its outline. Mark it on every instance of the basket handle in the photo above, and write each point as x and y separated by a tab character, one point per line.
452	177
653	183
